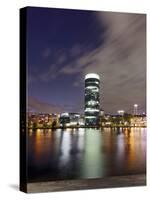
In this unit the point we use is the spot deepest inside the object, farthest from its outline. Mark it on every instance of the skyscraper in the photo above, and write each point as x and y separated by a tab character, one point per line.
92	102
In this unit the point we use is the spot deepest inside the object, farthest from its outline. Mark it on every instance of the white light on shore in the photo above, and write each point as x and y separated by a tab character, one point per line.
121	112
64	114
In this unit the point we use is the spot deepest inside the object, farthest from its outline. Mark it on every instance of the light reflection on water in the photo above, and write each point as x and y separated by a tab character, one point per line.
85	153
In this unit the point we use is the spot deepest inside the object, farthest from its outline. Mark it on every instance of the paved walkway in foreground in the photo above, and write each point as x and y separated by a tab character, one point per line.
107	182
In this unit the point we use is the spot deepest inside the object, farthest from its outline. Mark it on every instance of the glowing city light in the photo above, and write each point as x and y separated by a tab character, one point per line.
91	87
121	112
92	102
91	110
92	75
135	109
65	114
90	117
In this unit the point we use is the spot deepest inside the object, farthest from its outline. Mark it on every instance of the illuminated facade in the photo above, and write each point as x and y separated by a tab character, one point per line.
64	119
92	103
139	121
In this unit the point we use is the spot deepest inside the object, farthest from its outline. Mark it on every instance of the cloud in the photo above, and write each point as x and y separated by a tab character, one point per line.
39	106
61	59
76	50
49	74
46	53
36	105
50	71
31	79
120	61
71	68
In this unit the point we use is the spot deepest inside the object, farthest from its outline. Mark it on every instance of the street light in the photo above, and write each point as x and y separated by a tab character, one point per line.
135	109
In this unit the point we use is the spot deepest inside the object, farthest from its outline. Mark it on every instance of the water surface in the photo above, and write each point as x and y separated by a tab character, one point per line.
85	153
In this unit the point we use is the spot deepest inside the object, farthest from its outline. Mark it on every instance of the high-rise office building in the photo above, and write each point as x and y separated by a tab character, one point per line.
92	100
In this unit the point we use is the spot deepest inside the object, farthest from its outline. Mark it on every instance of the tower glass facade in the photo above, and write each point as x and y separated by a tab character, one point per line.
92	102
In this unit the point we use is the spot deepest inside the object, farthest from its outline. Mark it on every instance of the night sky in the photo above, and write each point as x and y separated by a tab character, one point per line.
64	45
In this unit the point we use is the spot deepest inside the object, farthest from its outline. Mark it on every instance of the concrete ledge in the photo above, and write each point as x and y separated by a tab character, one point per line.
108	182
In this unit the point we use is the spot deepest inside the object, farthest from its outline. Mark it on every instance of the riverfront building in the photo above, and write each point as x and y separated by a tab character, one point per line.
71	120
92	102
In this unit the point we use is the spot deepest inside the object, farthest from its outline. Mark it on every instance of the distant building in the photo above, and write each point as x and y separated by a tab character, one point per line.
76	119
64	119
71	119
139	120
102	113
92	102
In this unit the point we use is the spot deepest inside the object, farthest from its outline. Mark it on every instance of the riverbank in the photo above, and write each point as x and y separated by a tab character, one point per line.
60	127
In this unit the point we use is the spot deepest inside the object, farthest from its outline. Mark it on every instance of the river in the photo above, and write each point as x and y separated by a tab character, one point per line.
85	153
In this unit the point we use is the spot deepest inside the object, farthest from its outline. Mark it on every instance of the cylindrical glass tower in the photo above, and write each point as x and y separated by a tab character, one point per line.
92	102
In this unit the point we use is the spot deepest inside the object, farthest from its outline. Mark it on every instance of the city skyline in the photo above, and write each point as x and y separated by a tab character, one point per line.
64	46
85	120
